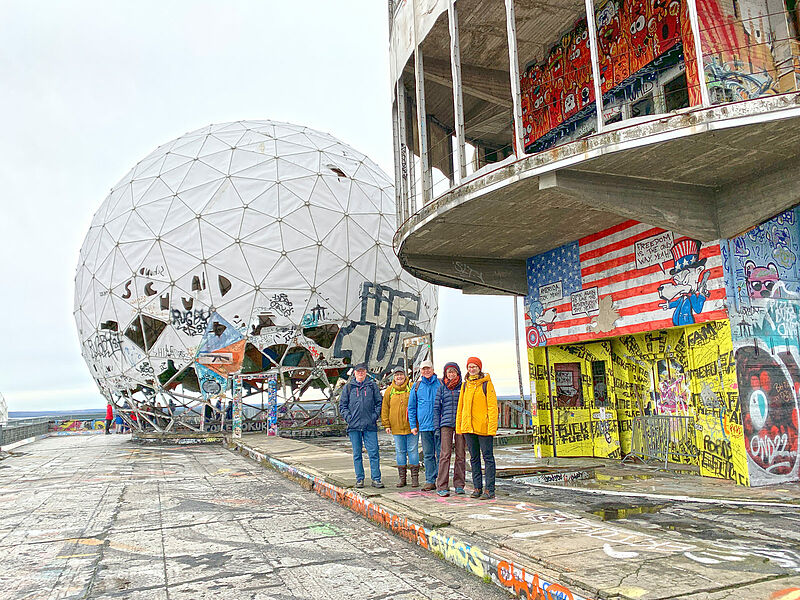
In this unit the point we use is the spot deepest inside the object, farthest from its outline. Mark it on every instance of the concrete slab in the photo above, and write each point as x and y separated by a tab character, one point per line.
223	527
623	558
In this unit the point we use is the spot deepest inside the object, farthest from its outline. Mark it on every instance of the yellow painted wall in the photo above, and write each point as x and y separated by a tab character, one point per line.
715	395
705	351
590	430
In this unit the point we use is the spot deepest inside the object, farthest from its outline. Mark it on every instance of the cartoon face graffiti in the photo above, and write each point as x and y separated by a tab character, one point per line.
762	282
637	21
664	25
768	399
609	28
687	292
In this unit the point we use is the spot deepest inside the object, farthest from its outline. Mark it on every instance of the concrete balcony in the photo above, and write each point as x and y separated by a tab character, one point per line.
708	173
701	136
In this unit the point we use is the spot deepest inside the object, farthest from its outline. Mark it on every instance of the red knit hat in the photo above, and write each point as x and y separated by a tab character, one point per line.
474	360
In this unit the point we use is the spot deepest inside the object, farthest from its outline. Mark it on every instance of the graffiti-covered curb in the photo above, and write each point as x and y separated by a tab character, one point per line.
491	567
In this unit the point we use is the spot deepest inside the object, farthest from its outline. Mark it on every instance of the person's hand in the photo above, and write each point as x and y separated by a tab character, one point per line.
415	431
389	430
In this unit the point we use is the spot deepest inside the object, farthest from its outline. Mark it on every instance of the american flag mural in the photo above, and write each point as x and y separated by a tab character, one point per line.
626	279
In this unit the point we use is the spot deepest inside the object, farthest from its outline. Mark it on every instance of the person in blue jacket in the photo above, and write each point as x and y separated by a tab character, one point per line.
360	405
445	409
420	417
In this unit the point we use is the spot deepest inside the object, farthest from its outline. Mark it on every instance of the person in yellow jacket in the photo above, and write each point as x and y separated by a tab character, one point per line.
476	419
394	417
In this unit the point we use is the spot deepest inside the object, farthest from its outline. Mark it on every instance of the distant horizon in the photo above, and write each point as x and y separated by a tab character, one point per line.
62	411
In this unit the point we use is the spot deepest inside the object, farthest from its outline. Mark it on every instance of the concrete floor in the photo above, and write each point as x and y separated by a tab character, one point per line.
721	542
102	517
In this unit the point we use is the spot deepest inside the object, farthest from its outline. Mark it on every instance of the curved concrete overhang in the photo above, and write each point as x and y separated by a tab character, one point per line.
708	173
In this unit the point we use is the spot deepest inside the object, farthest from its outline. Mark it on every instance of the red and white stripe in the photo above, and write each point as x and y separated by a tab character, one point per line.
608	262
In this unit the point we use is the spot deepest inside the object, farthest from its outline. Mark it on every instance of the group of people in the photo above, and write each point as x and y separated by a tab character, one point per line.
448	415
116	421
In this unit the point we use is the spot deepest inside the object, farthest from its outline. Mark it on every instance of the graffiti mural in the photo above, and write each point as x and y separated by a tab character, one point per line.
688	372
768	389
626	279
375	337
763	279
78	426
747	50
640	44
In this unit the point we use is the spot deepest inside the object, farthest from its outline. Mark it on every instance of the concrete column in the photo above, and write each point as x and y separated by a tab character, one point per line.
402	183
460	170
513	73
422	125
698	50
398	171
591	25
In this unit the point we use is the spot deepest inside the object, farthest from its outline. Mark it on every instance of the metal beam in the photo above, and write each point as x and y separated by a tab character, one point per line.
591	25
460	170
683	208
513	73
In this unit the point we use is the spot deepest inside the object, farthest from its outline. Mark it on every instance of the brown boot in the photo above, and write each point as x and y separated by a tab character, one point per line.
401	470
414	475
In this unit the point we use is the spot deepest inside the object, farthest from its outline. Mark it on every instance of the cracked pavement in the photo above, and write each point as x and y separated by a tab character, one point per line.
102	517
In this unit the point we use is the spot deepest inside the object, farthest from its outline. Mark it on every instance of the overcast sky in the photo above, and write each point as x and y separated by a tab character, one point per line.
90	88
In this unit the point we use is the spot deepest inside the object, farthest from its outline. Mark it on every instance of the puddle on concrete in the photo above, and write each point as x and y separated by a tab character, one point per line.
615	511
632	476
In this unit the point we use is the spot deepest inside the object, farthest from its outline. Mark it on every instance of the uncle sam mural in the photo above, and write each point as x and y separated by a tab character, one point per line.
688	291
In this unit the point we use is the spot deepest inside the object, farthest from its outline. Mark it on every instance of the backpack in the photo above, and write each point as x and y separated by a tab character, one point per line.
464	385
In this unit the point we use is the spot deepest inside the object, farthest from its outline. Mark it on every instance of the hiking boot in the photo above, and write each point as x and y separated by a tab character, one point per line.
376	484
476	494
428	487
401	471
360	483
487	495
414	475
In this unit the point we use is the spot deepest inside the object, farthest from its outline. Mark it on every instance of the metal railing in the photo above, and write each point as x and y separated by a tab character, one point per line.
664	438
14	432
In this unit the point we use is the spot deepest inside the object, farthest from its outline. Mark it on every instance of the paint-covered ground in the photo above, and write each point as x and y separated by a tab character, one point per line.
103	517
614	537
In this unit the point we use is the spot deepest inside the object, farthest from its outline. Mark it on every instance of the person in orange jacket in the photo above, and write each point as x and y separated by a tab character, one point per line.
476	419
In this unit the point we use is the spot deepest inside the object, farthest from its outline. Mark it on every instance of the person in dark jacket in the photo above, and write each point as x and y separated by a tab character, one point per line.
420	417
445	408
360	405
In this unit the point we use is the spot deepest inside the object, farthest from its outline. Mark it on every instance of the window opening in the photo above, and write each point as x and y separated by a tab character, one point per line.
569	391
676	93
643	107
599	383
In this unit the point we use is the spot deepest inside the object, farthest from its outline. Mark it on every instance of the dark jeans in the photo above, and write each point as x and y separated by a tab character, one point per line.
108	425
430	451
477	445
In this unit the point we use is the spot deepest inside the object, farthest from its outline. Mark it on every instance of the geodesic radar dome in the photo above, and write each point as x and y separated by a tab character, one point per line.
239	249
